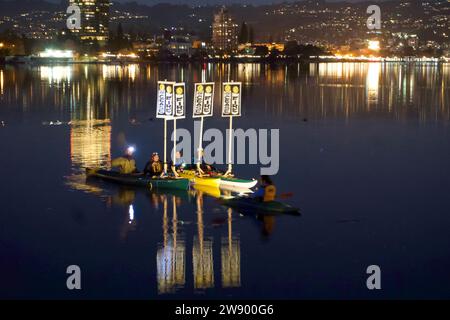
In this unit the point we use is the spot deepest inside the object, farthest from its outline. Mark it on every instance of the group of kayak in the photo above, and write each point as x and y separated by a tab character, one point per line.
156	176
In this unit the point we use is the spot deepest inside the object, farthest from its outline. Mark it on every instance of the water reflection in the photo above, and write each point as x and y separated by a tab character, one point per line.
319	90
172	253
90	143
170	257
2	80
231	257
95	98
372	85
202	252
56	74
120	72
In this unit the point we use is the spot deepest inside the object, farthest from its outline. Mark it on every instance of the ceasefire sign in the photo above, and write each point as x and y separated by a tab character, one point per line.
180	100
231	99
165	100
203	100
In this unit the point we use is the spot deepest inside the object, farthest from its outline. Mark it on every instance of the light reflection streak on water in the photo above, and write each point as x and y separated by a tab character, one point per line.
372	84
319	90
90	143
56	74
1	81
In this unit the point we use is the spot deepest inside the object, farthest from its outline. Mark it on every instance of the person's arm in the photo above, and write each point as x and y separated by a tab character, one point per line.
116	162
135	170
174	170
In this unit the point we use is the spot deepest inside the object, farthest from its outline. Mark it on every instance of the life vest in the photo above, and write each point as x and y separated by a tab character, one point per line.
270	192
126	165
157	167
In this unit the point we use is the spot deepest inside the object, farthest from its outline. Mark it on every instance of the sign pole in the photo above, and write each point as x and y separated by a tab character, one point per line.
200	143
174	144
200	147
165	146
230	146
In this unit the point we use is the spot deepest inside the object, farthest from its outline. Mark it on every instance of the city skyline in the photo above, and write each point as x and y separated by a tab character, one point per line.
302	21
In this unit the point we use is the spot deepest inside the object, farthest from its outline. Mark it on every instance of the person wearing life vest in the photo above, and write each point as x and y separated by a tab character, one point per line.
178	165
267	190
154	167
126	163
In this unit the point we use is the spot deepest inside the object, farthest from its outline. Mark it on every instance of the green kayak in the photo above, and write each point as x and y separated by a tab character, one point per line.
256	206
139	180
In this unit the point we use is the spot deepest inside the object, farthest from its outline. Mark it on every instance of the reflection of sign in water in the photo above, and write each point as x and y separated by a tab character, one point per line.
231	99
231	262
203	263
170	257
203	100
171	263
165	99
180	98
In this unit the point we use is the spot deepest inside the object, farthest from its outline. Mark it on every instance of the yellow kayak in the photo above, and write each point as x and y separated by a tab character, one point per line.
200	181
219	181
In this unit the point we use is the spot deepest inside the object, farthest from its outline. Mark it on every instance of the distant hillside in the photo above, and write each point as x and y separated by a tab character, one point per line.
13	7
304	20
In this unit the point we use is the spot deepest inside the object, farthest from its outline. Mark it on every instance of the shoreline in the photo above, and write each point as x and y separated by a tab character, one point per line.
226	61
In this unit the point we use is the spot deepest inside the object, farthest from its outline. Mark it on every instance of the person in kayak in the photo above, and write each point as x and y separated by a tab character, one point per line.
126	163
154	167
203	168
267	190
179	164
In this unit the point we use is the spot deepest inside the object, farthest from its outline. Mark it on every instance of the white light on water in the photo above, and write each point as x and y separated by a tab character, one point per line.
56	73
131	212
372	82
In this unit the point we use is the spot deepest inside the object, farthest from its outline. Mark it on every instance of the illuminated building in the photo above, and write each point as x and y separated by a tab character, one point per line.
225	32
374	45
94	19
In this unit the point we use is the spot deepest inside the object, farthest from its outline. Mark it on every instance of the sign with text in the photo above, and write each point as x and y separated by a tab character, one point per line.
165	101
231	99
203	100
180	101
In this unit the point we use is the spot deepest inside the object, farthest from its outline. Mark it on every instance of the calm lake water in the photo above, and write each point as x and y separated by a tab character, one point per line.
364	150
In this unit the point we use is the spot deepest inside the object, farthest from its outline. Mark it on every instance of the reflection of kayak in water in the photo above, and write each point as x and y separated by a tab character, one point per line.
257	206
139	180
219	180
216	192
